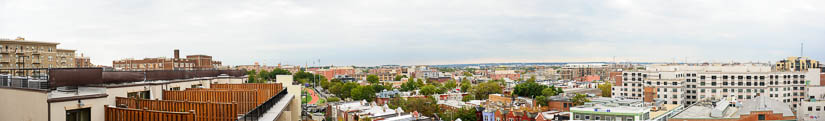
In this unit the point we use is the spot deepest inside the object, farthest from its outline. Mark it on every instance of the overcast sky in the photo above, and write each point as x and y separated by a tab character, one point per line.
405	32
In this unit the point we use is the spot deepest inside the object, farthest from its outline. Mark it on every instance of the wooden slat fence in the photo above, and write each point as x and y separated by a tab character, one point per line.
204	111
246	99
124	114
266	90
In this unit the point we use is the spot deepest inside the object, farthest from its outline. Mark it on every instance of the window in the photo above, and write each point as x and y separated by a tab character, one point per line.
78	114
139	95
175	88
761	116
197	85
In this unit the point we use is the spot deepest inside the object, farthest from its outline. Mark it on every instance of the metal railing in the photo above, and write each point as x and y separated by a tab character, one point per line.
259	111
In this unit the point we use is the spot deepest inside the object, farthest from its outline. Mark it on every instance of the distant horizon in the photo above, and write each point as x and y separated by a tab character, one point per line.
424	32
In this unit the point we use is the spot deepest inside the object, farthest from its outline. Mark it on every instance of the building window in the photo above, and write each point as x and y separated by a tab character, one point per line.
761	116
139	95
78	114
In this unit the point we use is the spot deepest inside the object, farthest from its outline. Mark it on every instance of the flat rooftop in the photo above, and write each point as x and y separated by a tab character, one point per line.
668	108
694	112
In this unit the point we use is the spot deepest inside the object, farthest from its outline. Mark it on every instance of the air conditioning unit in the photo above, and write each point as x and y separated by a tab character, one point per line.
19	82
38	84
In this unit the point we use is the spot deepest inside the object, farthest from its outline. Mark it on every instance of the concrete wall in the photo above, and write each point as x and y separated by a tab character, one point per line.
295	106
58	109
23	105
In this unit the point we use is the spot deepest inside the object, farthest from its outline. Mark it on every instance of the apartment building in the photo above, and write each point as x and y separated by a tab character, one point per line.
22	53
83	61
689	83
616	109
813	107
90	94
191	62
579	71
796	64
760	108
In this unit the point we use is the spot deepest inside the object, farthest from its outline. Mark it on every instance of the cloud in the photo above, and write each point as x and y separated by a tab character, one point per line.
368	32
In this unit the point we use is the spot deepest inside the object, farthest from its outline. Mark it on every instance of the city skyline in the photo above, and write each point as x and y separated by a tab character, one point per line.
367	33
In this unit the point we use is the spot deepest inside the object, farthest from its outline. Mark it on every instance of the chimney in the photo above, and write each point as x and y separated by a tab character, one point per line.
177	53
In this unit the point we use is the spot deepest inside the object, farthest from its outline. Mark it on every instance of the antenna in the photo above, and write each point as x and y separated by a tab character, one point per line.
801	49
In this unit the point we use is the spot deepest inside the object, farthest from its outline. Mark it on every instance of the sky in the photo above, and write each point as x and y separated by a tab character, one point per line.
420	32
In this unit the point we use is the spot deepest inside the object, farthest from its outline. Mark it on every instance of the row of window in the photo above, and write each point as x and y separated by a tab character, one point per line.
740	77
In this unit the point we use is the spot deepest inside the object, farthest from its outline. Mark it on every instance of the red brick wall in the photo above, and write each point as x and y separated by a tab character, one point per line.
559	105
822	79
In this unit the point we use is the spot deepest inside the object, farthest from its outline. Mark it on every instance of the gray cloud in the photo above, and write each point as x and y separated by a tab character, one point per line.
369	32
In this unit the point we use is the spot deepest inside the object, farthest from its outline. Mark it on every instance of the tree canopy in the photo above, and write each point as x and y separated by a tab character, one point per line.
372	78
529	89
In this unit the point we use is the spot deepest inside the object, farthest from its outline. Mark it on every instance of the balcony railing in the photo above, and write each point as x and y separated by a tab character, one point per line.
259	111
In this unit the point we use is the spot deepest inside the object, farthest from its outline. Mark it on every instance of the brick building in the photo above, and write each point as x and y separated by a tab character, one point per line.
191	62
22	53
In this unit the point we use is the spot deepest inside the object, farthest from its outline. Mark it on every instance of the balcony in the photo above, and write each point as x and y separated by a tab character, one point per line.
4	51
35	52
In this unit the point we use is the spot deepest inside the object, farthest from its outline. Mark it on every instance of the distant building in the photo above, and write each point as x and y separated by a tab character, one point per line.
760	108
22	53
83	61
796	64
812	108
191	62
690	83
334	71
623	110
509	74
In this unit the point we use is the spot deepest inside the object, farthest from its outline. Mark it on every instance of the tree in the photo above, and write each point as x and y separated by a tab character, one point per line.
468	74
398	78
483	90
541	100
333	99
580	99
263	75
529	89
396	102
532	79
428	90
372	78
425	106
450	84
408	86
550	91
607	89
466	85
465	114
363	93
468	98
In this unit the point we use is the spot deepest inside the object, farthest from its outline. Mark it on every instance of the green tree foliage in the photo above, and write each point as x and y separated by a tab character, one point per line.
363	93
466	85
529	89
468	98
580	99
483	90
550	91
607	89
532	79
309	77
541	100
343	90
409	86
425	106
333	99
399	77
467	74
428	90
396	102
372	78
451	84
465	114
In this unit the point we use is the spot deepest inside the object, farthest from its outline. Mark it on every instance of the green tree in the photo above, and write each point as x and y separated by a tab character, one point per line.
372	78
363	93
428	90
468	98
465	85
450	84
398	78
532	79
607	89
263	74
541	100
529	89
580	99
396	102
252	79
425	106
550	91
465	114
483	90
467	74
408	86
333	99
